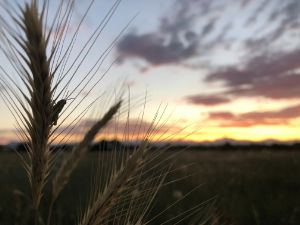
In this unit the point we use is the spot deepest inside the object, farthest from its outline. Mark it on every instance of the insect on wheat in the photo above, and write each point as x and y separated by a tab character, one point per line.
57	108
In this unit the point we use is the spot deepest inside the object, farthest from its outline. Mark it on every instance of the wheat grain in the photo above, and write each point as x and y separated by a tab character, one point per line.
39	81
63	174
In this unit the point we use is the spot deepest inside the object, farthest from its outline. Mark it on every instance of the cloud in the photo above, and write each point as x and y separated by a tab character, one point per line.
273	77
207	100
193	29
208	28
274	22
279	117
151	48
257	12
133	129
7	131
179	36
8	135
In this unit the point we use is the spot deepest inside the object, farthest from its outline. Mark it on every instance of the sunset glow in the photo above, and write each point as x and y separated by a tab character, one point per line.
225	69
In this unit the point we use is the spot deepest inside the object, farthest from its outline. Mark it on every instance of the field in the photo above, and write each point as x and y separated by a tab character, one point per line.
242	187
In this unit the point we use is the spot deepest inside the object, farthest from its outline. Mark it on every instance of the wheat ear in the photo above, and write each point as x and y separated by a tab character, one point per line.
70	163
96	213
38	81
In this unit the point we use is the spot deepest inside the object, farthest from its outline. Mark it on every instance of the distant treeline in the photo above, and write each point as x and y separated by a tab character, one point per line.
111	145
102	145
247	147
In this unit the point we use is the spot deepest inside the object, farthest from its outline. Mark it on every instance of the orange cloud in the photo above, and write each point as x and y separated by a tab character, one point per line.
279	117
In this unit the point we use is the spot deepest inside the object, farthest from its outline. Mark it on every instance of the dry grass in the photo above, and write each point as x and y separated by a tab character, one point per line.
39	58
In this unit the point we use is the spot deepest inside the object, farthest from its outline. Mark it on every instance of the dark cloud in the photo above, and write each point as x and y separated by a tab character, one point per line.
208	100
280	117
173	42
151	48
244	3
272	77
283	20
267	70
209	27
257	12
221	116
178	37
193	29
269	64
283	87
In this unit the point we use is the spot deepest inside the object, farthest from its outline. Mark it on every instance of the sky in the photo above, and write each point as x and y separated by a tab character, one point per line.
225	69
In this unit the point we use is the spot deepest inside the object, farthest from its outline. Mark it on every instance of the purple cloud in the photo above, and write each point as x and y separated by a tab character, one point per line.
151	48
279	117
283	22
134	128
272	77
178	37
194	28
207	100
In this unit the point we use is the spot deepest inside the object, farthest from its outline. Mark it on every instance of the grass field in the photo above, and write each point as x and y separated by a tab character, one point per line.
247	188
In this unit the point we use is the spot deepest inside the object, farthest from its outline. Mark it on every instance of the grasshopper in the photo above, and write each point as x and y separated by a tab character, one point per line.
57	108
